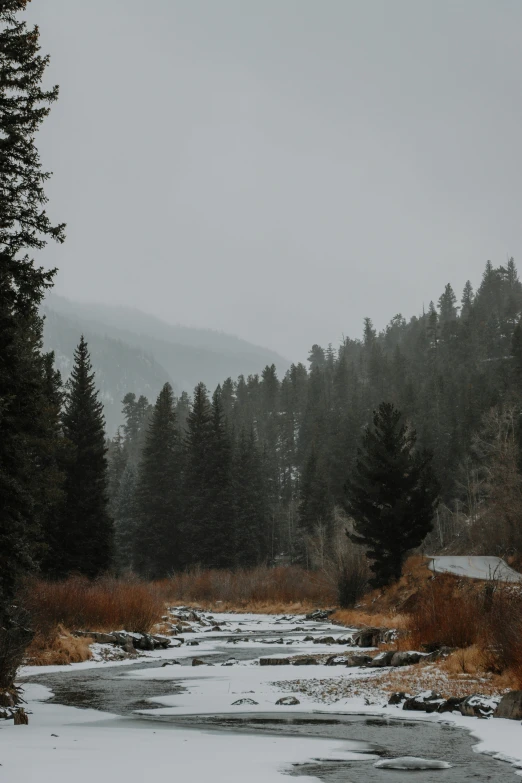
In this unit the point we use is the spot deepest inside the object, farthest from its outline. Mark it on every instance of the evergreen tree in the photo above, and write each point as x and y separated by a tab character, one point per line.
182	412
117	462
24	227
448	305
218	543
315	503
52	453
87	529
158	543
198	477
391	495
250	506
467	300
317	357
125	520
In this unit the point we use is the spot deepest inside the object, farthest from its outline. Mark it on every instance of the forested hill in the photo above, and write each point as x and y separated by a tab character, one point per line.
135	352
289	442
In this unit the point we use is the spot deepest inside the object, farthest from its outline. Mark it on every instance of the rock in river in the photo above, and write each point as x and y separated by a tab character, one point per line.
288	701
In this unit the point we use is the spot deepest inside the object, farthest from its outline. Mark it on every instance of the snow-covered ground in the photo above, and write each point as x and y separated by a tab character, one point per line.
66	743
474	567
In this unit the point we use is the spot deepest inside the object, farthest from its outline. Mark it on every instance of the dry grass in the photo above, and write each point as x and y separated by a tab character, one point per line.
358	617
257	589
103	605
396	598
436	678
58	647
469	660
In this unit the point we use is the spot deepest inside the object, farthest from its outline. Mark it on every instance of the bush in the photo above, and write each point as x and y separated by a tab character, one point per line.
445	612
503	632
260	586
103	605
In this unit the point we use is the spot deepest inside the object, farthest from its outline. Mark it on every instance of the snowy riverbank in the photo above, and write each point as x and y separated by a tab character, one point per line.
63	742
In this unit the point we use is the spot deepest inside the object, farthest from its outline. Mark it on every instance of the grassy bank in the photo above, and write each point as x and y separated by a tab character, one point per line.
481	622
57	608
274	590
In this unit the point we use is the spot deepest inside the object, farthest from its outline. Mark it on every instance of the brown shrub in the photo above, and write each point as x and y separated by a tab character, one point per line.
469	660
503	632
58	647
103	605
445	612
262	586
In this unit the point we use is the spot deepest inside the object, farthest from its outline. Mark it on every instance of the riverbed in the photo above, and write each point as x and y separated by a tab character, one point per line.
161	716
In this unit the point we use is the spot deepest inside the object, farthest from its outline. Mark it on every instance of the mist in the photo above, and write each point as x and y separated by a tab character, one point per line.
281	170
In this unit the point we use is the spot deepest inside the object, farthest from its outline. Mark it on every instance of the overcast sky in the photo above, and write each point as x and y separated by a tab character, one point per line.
280	169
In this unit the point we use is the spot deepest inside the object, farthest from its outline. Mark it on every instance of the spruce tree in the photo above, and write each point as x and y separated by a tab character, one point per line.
219	539
315	505
24	227
448	305
198	477
52	454
250	506
391	495
117	462
158	495
87	528
125	521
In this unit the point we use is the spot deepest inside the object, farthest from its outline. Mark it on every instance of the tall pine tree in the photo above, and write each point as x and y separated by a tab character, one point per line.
24	227
391	495
87	528
158	496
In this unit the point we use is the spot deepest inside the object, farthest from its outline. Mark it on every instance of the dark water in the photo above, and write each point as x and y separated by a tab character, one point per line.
109	690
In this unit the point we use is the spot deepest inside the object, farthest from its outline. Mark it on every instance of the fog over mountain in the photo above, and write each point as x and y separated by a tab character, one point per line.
135	352
280	170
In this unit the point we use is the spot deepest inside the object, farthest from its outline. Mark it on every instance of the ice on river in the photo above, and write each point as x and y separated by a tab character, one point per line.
66	743
411	763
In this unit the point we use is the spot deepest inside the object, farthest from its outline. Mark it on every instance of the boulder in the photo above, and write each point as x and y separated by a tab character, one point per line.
510	706
216	628
325	640
128	647
397	698
382	659
336	660
274	661
192	643
358	659
319	614
427	701
369	637
198	662
230	662
451	704
405	658
478	706
308	639
288	701
239	702
171	663
305	662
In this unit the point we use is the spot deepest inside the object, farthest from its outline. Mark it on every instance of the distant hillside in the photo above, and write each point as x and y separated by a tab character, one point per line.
133	351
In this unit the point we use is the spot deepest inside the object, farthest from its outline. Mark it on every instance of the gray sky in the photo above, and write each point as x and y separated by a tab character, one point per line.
279	169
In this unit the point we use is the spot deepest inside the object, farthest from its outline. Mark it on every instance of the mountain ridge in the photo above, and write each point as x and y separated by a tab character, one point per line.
135	351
